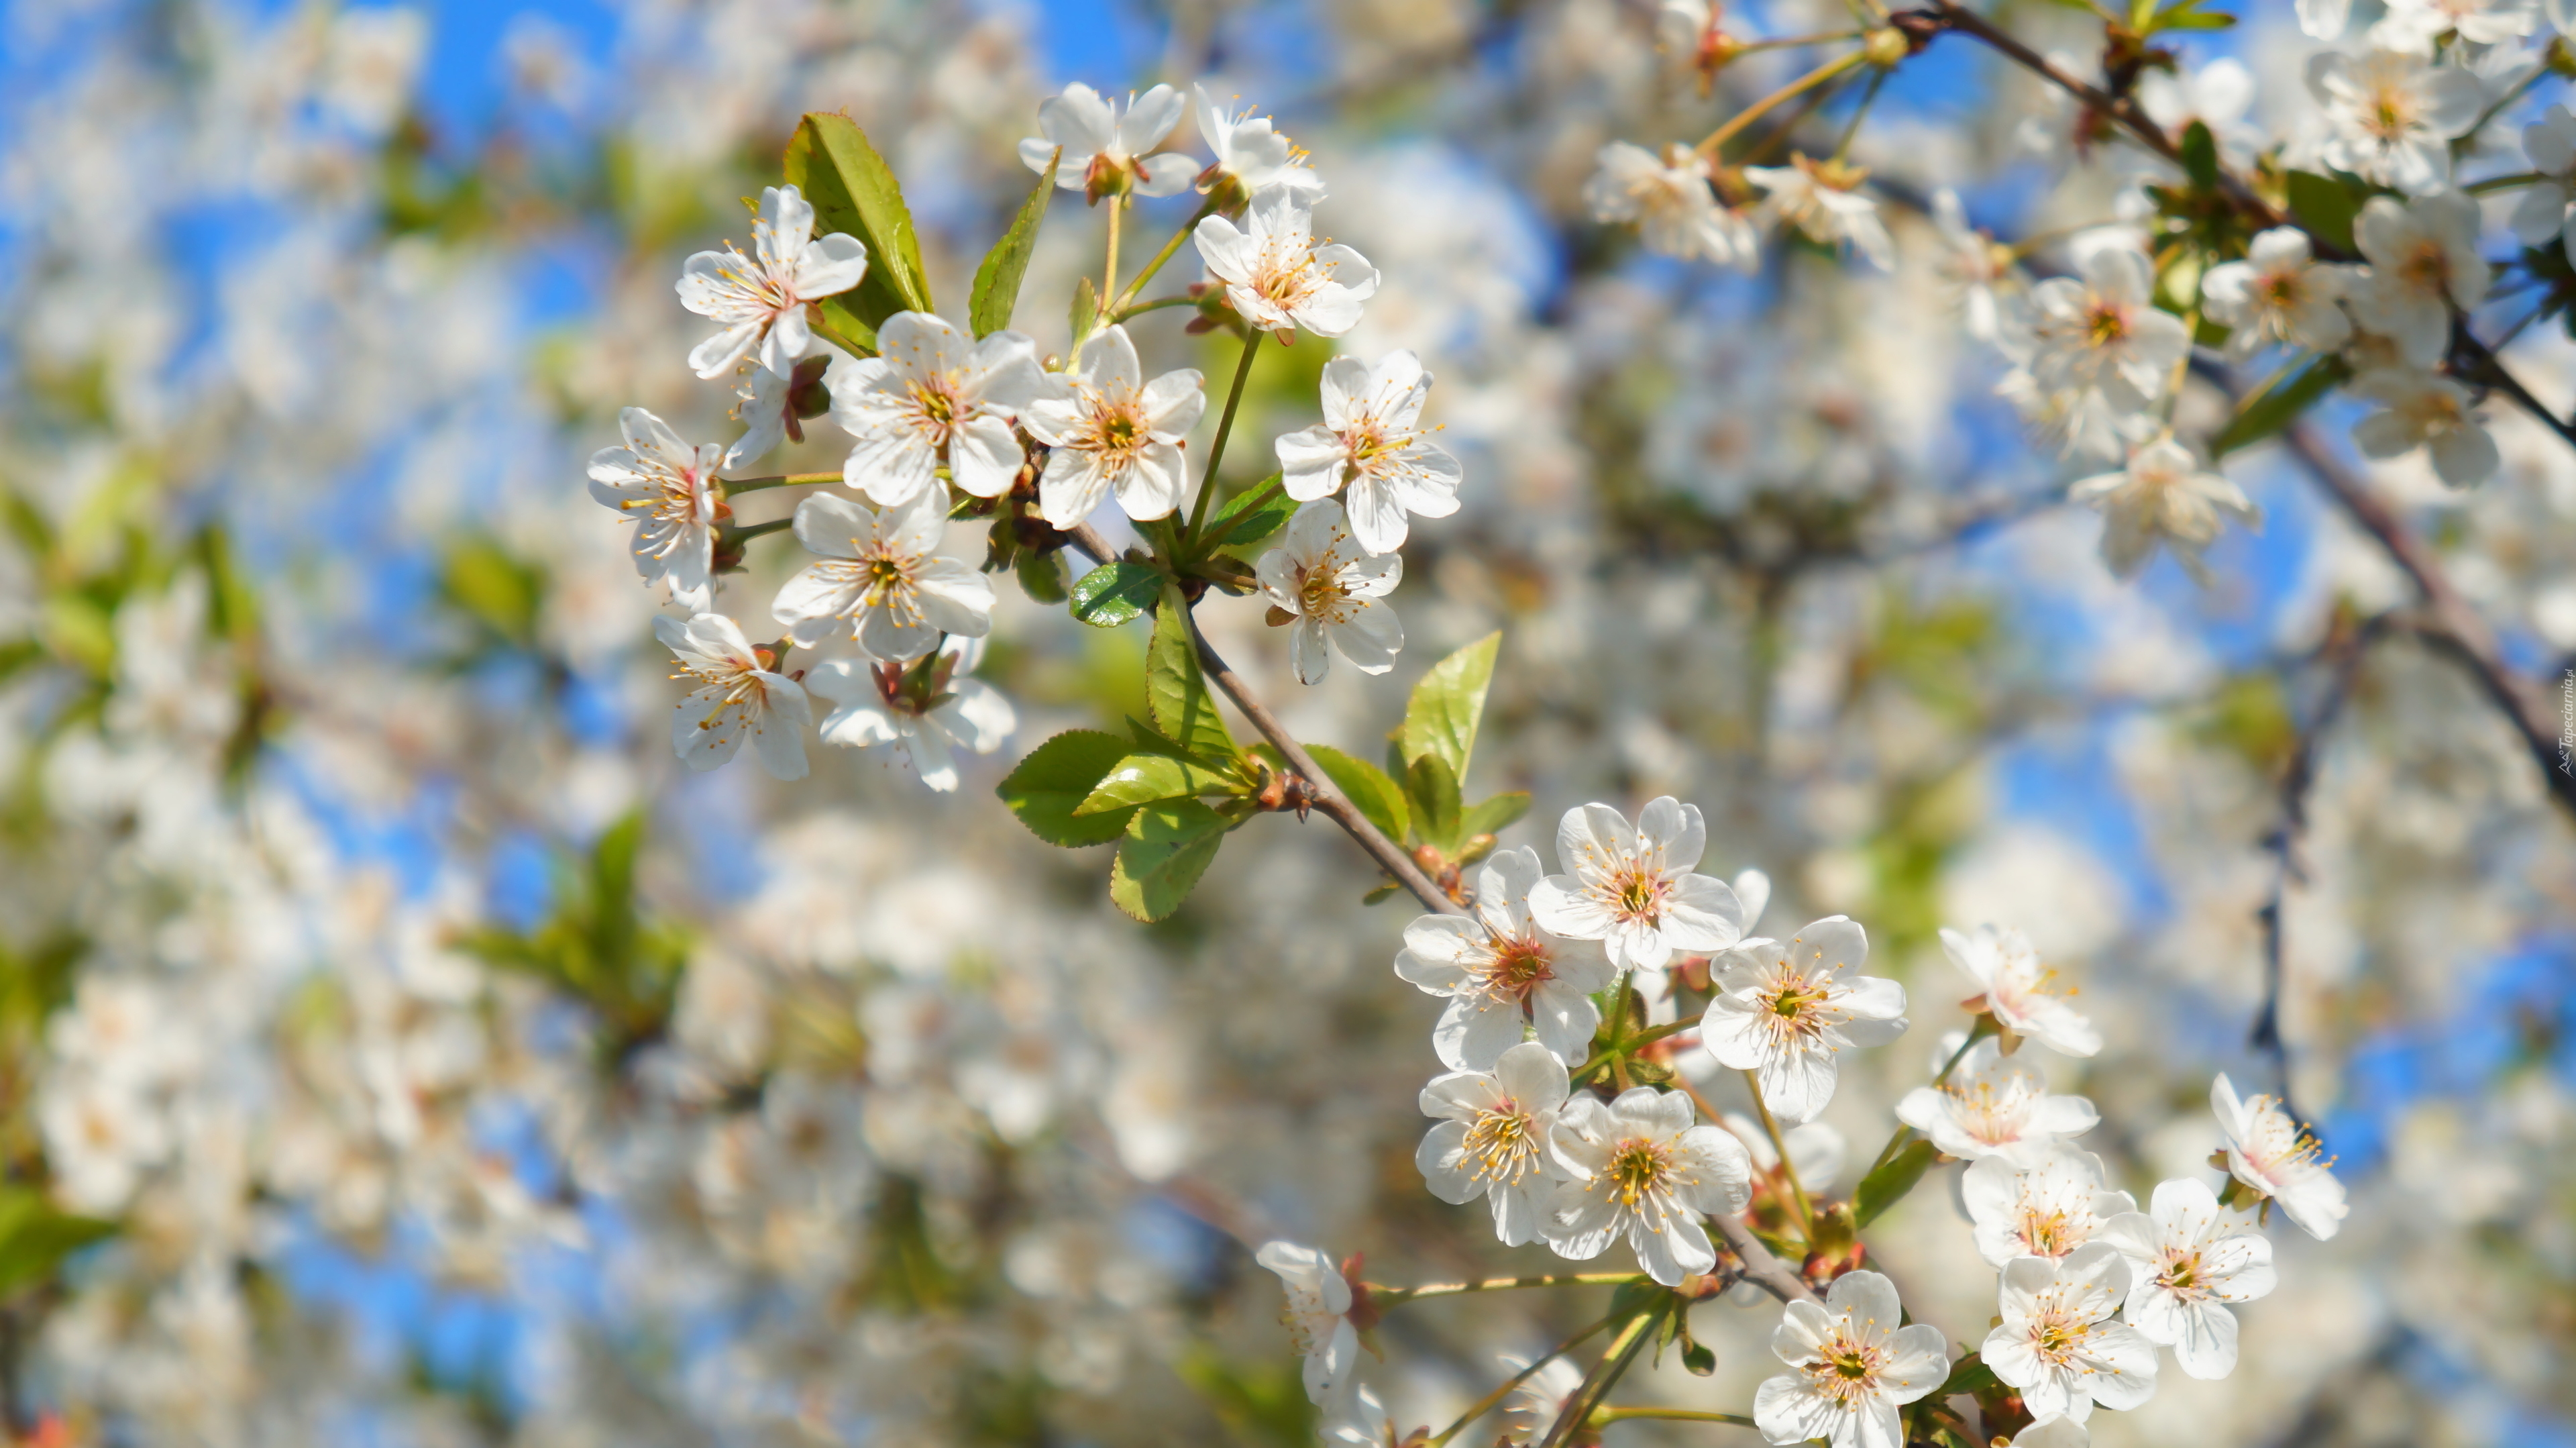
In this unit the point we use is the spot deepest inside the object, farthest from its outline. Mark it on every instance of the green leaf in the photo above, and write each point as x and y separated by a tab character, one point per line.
1434	793
1176	693
1970	1375
1441	719
35	1238
1041	575
1168	846
1144	778
1490	816
852	189
1115	592
1889	1181
1250	516
1086	310
1379	799
2278	403
1699	1358
486	583
1048	786
2326	206
2200	156
997	281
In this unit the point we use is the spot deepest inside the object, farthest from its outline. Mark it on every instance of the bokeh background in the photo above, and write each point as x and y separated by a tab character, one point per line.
458	1070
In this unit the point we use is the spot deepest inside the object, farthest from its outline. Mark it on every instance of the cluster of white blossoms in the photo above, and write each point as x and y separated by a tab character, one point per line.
935	415
1528	1119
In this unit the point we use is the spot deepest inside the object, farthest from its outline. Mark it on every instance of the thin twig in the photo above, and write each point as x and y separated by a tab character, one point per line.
1761	1268
1391	1296
1490	1401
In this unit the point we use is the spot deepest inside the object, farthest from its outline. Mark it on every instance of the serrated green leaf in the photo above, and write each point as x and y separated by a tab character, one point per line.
1490	816
997	281
1433	793
1441	718
1167	848
852	189
2278	402
1047	787
1144	778
1251	516
1086	310
1379	800
2326	205
1115	592
1175	692
1889	1181
35	1238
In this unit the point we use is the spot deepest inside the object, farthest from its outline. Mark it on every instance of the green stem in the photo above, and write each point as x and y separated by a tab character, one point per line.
1614	1363
1788	1169
745	532
1392	1296
1224	429
733	486
1851	129
1619	1029
1678	1415
1487	1403
1795	88
2461	143
1109	274
1260	495
2507	183
1160	257
1651	1034
1792	42
1156	305
815	324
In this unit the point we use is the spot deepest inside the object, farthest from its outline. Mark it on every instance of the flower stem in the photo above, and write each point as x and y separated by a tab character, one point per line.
1391	1296
2507	183
1793	42
1788	1169
1791	91
733	486
1678	1415
1614	1363
1156	305
1224	429
743	533
814	323
1160	257
1109	275
1860	113
1486	1404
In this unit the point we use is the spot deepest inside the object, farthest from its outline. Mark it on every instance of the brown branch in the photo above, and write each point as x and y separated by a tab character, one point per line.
1761	1268
2448	620
1329	801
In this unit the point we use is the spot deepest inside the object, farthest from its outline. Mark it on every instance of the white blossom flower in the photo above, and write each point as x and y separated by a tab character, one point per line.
1501	969
1973	262
2391	116
1373	449
2324	19
1633	889
1855	1365
2278	293
1643	1171
1670	201
1321	582
1318	1298
1991	1105
2056	1430
759	300
2423	262
102	1135
669	489
2020	991
118	1030
1492	1139
1696	30
2550	145
2186	1263
1109	430
2099	339
927	716
1251	155
1785	1009
772	409
2217	95
2277	1159
1105	145
1276	278
2430	411
933	395
2414	26
877	576
2042	1203
2058	1343
1540	1399
739	695
1356	1419
2164	496
1822	199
